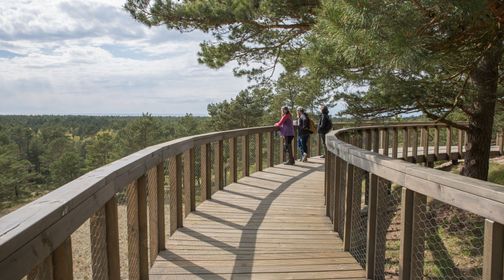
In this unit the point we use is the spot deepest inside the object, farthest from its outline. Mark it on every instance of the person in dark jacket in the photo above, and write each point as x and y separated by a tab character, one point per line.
303	133
287	132
324	125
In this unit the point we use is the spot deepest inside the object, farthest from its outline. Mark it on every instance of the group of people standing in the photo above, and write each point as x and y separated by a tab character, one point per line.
305	129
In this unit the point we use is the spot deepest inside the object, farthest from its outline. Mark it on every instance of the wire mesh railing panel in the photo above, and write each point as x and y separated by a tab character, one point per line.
98	233
197	175
277	148
132	231
388	230
264	149
152	206
449	242
252	155
122	218
239	157
358	233
213	165
341	202
81	252
226	162
40	271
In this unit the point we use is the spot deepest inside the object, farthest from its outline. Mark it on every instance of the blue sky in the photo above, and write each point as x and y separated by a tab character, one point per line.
90	57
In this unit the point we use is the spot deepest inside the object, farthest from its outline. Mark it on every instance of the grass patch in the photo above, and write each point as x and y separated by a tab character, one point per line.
496	173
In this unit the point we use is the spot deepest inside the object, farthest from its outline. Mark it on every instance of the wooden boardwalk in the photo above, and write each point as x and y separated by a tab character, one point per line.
271	225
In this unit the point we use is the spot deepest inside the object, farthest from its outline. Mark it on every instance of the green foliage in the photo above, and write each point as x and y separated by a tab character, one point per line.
41	153
15	176
246	110
260	32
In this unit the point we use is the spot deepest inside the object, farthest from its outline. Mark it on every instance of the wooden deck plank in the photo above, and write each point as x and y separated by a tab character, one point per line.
270	225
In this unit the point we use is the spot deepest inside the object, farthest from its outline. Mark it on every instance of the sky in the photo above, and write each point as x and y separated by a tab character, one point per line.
90	57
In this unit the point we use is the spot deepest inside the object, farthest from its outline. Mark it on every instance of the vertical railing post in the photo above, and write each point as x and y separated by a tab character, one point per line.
436	142
385	138
161	205
112	226
348	206
501	142
493	256
233	158
143	250
189	184
206	172
371	229
219	165
425	143
405	147
152	193
460	143
62	261
376	140
319	145
414	143
258	152
327	188
245	155
395	142
406	246
271	149
448	141
176	215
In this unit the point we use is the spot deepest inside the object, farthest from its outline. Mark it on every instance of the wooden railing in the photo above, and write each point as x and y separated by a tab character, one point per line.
402	220
120	208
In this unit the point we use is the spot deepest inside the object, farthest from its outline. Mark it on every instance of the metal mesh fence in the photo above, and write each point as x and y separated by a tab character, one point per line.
239	157
341	202
122	213
264	149
278	150
226	162
388	230
40	271
81	252
152	212
197	175
449	243
358	238
252	148
213	169
99	245
132	230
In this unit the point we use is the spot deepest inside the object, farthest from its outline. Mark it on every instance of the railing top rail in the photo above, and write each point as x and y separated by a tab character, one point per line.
479	197
395	125
54	216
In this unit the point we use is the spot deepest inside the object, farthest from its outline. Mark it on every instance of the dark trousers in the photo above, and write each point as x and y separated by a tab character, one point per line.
288	148
322	137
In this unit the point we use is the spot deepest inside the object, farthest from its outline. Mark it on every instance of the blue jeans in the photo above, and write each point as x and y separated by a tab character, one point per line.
302	142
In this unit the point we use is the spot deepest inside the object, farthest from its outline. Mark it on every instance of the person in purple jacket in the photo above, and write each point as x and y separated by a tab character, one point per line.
287	132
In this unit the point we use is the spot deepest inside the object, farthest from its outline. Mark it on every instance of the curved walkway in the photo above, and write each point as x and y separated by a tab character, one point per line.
271	225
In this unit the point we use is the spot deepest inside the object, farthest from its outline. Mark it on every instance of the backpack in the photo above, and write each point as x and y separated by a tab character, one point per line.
312	126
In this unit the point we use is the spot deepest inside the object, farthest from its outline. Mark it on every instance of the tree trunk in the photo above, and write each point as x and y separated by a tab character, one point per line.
485	78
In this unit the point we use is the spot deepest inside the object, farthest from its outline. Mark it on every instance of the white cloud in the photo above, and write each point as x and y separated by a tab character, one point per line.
76	56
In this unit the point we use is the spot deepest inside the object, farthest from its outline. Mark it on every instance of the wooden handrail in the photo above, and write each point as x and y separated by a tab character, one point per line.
398	164
31	234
